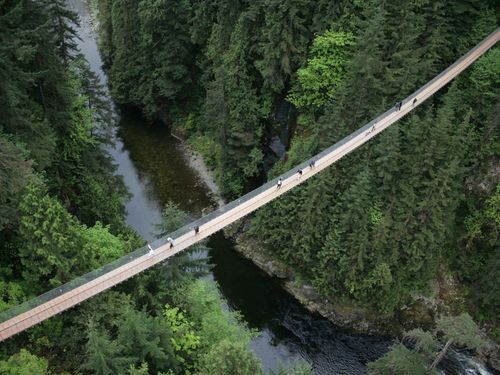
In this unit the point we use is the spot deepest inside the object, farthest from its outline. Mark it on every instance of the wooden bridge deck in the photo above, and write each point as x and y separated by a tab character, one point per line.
41	308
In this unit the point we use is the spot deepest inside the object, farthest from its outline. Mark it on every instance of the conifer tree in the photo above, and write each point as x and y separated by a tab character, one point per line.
64	22
284	41
52	249
147	339
165	49
104	356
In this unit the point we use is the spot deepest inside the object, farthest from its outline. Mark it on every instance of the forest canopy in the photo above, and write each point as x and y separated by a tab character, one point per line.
380	226
388	223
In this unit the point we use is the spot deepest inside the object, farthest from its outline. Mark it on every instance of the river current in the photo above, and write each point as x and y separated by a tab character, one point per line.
155	171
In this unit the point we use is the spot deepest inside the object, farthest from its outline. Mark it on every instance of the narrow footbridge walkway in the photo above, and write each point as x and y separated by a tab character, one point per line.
57	300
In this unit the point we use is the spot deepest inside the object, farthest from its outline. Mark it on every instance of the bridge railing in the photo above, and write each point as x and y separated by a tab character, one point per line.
138	253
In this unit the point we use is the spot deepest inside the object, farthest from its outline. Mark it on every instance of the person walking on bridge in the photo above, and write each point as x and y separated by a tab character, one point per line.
312	163
299	172
398	106
196	230
151	251
280	182
170	241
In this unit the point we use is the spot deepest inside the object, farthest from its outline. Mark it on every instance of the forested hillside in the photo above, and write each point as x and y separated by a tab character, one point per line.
418	204
62	215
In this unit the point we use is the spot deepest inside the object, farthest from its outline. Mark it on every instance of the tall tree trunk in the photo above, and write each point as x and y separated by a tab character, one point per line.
441	354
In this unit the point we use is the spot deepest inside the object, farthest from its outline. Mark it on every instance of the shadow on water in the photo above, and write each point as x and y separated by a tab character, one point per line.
288	331
158	158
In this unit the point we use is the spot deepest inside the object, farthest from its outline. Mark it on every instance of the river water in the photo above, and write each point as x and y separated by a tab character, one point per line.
155	171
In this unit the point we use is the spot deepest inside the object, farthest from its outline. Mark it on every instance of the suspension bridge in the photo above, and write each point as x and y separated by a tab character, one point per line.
76	291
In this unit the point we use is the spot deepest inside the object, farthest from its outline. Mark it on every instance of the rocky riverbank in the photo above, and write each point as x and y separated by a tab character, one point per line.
346	316
421	313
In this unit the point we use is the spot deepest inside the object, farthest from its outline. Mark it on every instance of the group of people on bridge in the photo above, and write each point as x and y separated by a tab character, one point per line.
312	163
279	183
170	241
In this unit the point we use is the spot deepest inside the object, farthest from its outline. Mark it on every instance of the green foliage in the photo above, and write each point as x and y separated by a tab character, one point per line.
400	360
485	223
423	342
143	370
184	340
461	330
103	355
284	40
63	22
324	72
147	339
151	35
24	363
11	294
164	48
207	148
51	248
232	107
202	301
55	247
373	228
15	172
104	246
226	357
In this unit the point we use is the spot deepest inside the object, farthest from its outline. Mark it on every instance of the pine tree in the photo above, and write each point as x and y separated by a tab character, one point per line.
284	40
125	71
422	358
104	356
15	172
64	22
148	339
166	53
237	124
52	245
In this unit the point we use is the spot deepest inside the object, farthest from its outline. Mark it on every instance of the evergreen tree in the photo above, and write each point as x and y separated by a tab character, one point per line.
166	53
64	22
103	355
284	40
15	173
423	358
124	73
148	340
233	111
51	247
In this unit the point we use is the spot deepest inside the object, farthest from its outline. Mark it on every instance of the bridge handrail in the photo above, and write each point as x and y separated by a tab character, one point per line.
320	158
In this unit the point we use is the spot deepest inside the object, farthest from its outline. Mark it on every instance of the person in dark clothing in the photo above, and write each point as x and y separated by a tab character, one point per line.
196	230
398	105
414	102
299	173
312	163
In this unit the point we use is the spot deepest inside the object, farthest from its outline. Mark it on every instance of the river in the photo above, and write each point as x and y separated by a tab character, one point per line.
155	171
